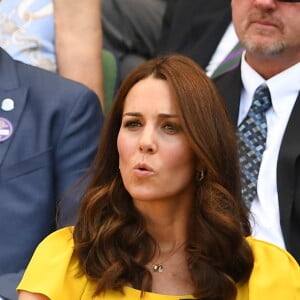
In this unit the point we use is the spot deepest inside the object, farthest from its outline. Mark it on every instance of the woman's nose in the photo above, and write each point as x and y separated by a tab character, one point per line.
147	142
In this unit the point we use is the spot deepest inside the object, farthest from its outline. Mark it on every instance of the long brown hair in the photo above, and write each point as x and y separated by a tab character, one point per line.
111	239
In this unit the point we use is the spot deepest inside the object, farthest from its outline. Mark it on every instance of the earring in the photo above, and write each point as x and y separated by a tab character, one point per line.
199	175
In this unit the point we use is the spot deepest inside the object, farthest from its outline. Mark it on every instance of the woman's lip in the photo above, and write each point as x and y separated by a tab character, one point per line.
143	167
143	170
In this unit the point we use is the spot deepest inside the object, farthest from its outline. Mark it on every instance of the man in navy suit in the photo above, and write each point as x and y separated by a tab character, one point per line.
269	30
49	131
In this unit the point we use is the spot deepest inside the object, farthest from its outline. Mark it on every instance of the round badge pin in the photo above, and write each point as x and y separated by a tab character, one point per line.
7	104
6	129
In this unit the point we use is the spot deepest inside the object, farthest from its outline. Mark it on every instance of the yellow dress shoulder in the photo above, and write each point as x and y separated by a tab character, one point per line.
54	272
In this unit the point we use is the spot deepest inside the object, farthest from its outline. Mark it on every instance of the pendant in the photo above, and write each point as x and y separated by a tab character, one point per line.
158	268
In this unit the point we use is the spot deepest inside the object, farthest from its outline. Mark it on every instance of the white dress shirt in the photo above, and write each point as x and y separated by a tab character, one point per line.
284	89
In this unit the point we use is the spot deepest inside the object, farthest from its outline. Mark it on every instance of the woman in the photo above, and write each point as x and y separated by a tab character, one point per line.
162	218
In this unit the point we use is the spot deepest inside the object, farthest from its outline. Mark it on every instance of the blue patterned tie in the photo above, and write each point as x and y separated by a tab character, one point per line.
253	133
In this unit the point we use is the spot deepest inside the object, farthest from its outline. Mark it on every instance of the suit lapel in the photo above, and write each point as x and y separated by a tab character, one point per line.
9	89
230	86
286	172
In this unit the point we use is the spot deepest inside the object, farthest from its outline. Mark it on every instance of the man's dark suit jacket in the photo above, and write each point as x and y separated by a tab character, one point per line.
288	164
194	28
56	127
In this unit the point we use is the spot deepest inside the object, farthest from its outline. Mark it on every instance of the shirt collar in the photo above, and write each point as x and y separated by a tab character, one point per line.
285	83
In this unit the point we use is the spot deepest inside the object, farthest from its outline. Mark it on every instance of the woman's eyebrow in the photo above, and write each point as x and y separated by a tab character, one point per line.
132	114
161	115
168	115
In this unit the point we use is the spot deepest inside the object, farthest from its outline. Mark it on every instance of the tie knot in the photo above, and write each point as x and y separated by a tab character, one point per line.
261	99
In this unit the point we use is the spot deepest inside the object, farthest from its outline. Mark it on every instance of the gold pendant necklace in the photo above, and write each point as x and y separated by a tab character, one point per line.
159	266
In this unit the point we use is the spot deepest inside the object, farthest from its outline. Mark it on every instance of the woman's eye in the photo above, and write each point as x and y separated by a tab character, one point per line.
171	128
132	124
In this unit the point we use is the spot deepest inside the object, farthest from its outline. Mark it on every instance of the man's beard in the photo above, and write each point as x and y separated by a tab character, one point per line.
269	49
253	45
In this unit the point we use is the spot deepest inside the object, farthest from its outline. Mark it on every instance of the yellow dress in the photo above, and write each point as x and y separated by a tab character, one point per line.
53	271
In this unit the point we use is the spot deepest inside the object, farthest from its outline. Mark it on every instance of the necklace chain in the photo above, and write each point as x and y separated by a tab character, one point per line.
159	266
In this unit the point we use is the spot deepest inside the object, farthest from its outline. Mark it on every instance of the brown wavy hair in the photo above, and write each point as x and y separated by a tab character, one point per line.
111	240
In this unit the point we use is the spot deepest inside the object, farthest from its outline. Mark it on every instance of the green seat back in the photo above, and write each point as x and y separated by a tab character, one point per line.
109	69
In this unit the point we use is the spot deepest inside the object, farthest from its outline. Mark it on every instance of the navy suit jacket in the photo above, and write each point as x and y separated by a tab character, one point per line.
194	28
288	164
56	126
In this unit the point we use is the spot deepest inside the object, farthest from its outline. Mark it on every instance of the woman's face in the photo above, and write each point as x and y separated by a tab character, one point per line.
155	159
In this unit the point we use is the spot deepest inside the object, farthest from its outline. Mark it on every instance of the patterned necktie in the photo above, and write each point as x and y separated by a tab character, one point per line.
252	134
230	62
